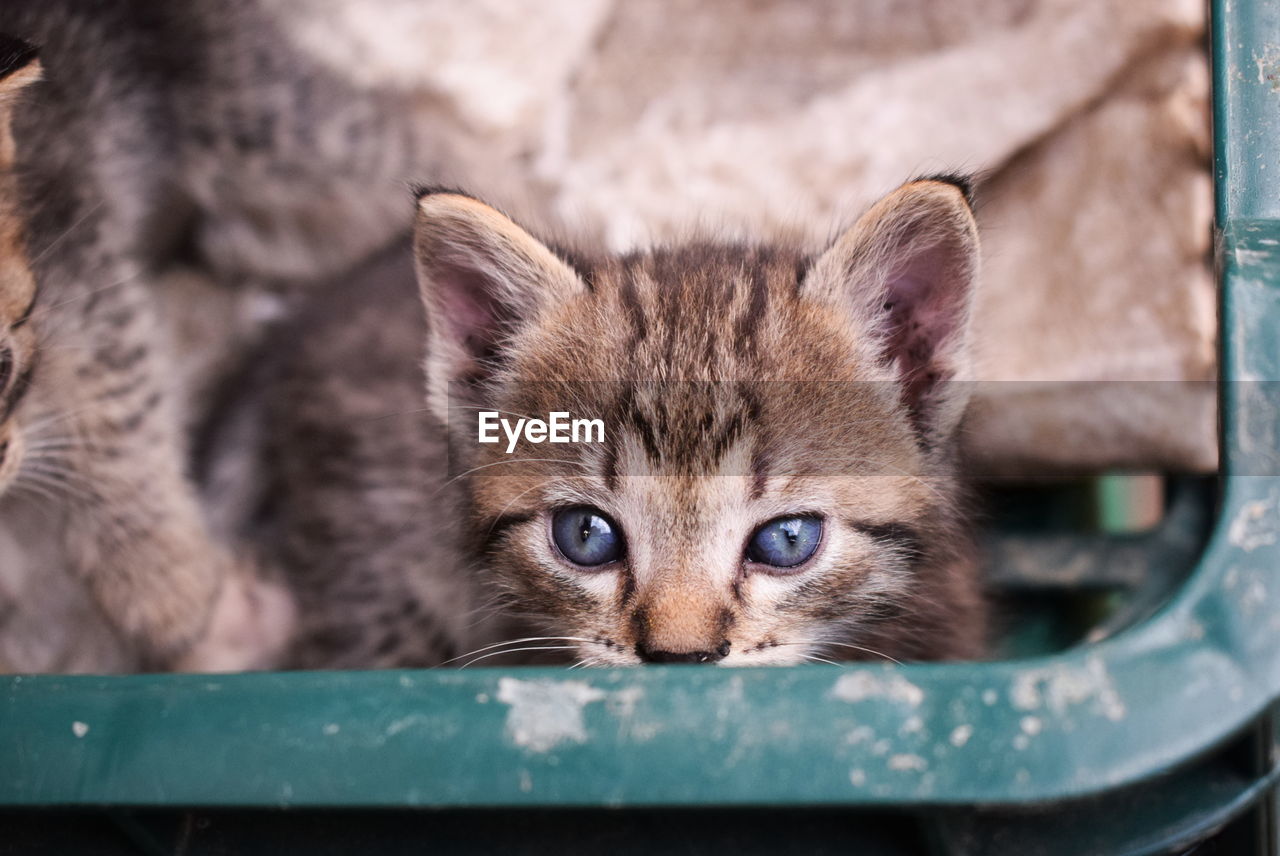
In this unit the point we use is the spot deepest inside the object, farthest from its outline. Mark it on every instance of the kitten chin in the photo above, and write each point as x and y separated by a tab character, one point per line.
775	482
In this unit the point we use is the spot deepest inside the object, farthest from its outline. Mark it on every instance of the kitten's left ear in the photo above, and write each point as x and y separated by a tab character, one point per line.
907	270
483	280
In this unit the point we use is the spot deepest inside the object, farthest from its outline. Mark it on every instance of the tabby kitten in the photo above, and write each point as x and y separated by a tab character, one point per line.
776	480
165	132
194	135
49	620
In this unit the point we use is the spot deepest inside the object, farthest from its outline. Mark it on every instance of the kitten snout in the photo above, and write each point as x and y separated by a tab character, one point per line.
680	627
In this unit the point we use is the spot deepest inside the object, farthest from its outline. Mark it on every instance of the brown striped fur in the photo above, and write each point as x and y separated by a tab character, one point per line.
737	382
777	393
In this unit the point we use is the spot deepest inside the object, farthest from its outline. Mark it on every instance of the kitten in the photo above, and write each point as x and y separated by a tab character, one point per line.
776	480
165	132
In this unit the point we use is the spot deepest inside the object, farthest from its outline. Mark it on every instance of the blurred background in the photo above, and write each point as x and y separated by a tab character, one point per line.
1086	122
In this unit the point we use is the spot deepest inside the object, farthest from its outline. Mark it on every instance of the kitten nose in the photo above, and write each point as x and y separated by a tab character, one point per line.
649	655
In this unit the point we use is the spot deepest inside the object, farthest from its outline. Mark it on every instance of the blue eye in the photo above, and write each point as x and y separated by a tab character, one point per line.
785	541
585	536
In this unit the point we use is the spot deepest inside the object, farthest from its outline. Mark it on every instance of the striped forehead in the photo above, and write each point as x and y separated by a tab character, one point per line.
685	427
697	311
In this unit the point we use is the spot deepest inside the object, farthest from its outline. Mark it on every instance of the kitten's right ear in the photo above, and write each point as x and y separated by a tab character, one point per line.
19	67
908	271
483	279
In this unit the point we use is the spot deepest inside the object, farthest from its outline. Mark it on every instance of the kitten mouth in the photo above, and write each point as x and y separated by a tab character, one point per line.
615	653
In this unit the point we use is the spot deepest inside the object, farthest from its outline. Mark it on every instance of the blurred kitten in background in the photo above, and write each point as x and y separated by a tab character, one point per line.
169	144
162	134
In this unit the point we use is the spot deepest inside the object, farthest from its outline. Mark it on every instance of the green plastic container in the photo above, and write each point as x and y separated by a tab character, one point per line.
1158	738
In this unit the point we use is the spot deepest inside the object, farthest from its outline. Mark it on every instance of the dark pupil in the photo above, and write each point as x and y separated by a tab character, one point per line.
6	367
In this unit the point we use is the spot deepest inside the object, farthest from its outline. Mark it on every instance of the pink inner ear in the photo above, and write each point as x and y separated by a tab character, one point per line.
468	310
924	302
919	315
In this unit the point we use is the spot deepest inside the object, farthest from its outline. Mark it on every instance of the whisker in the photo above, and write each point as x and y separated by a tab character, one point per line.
514	500
31	477
53	419
513	461
520	651
864	650
451	407
18	487
44	443
53	481
58	469
46	456
840	645
491	410
42	314
520	642
73	483
485	607
79	221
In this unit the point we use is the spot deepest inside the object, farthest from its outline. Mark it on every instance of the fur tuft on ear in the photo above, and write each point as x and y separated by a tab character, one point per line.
421	191
17	56
483	279
959	180
907	270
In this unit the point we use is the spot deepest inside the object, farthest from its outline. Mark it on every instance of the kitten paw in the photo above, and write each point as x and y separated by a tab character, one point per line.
251	624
